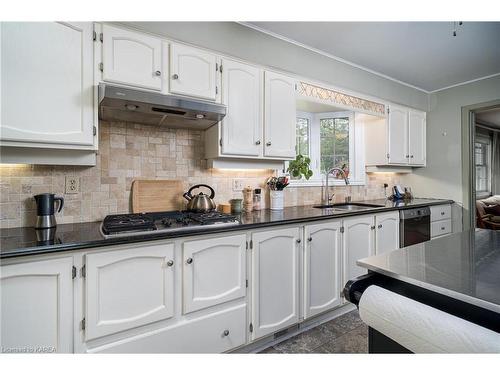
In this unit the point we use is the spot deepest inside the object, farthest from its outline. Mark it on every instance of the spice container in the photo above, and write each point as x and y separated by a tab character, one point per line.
257	199
247	199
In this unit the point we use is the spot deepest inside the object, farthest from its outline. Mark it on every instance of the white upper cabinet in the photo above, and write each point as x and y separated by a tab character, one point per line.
37	306
275	280
193	72
242	94
417	148
322	274
397	123
387	232
279	116
128	288
131	58
47	84
214	271
359	242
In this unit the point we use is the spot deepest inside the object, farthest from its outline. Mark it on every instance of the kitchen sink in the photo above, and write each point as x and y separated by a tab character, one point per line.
349	206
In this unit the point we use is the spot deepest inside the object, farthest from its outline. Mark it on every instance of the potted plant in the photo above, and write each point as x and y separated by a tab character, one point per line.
300	167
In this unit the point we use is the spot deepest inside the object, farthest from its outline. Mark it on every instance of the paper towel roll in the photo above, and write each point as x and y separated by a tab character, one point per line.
421	328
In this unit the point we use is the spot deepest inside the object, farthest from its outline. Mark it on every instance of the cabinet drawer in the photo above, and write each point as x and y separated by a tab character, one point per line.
441	212
206	334
439	228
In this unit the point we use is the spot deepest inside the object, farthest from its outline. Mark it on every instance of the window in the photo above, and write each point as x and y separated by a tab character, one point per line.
482	153
302	136
330	139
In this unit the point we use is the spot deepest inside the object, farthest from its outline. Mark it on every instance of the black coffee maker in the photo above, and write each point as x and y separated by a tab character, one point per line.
45	207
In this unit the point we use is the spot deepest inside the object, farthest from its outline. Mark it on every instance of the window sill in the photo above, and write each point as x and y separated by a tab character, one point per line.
318	183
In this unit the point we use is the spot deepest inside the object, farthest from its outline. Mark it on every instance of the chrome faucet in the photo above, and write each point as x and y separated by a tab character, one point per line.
327	197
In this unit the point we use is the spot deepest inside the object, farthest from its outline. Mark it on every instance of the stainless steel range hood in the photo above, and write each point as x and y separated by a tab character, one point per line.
122	104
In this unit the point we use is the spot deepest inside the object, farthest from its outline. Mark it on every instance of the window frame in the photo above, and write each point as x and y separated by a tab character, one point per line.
356	150
487	164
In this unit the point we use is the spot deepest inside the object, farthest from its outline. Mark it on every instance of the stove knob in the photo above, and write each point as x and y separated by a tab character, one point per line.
167	222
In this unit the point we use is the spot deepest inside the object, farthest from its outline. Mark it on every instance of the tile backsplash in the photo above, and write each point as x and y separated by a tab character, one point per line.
128	151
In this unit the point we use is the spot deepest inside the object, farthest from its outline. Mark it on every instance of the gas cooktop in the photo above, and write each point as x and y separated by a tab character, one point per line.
161	222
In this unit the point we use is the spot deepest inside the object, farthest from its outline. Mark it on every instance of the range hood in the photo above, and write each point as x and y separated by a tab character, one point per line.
129	105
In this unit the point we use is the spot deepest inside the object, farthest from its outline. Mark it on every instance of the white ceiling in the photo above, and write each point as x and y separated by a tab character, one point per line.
421	54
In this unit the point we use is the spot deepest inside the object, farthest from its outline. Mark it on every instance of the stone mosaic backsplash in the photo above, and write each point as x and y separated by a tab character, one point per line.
128	151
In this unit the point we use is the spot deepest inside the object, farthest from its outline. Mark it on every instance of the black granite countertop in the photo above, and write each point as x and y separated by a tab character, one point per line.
464	266
23	241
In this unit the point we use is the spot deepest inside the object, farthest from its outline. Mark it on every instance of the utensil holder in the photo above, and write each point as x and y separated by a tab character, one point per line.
277	199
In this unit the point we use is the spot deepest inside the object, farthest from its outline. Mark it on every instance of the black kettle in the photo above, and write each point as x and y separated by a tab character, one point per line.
45	209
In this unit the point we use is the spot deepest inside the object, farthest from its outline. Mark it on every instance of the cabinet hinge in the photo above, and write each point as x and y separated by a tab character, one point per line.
251	244
73	272
388	110
94	130
216	67
246	283
216	90
101	37
295	87
220	142
341	229
251	327
220	68
82	324
101	67
247	245
94	35
83	271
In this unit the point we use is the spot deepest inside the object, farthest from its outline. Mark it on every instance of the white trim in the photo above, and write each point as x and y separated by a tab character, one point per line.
339	59
465	83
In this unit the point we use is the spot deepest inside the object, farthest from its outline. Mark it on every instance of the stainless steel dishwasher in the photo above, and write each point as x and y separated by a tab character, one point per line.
414	226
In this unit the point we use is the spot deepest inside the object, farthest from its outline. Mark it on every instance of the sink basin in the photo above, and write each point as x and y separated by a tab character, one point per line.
349	206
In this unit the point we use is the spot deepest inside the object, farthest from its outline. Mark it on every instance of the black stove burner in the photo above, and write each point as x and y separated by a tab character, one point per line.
168	220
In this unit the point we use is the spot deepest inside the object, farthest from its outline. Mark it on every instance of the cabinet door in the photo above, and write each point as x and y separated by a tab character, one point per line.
387	232
47	83
131	58
397	135
242	125
321	267
359	242
128	288
214	271
417	137
193	72
37	306
275	280
279	116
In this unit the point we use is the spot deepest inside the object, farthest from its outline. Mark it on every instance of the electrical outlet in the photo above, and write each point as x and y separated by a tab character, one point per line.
237	184
72	185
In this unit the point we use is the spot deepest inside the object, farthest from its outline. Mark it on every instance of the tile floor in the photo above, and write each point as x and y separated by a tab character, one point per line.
345	334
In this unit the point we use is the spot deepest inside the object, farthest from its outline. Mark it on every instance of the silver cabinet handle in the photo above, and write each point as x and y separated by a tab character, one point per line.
175	76
189	260
158	73
170	263
379	226
268	143
442	228
442	213
257	142
372	227
310	239
226	332
407	156
411	156
299	240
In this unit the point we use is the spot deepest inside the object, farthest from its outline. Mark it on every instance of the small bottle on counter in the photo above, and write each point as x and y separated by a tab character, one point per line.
257	199
247	199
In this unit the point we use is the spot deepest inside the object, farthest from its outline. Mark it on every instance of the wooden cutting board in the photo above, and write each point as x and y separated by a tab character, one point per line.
156	195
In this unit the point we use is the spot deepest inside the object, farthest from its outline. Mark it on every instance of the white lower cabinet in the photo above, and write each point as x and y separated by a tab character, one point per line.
37	306
322	247
275	280
214	271
358	243
127	288
387	232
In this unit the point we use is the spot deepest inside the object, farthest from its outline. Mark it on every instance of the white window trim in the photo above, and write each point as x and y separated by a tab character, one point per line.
356	151
485	193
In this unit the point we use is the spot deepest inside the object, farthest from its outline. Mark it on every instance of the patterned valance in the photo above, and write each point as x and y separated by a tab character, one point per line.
336	97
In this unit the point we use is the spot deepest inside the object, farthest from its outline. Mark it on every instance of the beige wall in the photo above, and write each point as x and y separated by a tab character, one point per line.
128	151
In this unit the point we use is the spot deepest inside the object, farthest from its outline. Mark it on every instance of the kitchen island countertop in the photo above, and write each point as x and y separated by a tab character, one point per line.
23	241
464	266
